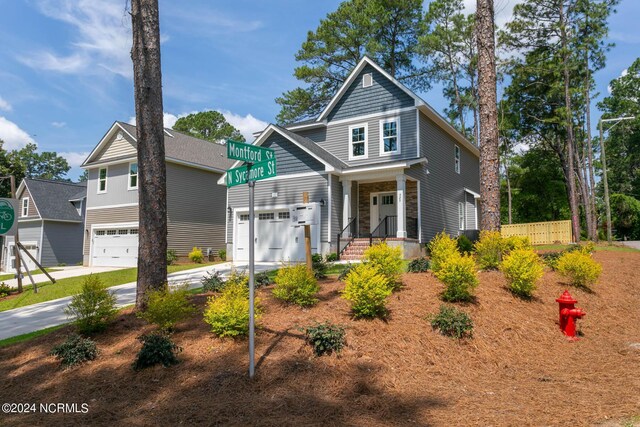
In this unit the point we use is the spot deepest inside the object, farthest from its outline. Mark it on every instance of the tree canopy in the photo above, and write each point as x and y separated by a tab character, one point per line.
208	125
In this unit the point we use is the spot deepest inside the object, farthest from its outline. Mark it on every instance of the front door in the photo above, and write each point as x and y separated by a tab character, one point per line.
382	205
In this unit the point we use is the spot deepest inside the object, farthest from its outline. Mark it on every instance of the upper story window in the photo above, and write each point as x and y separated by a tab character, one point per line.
367	80
25	206
102	180
390	136
457	158
461	215
133	176
358	141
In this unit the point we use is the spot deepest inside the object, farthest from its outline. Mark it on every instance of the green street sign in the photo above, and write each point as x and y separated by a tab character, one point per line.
8	209
248	153
256	172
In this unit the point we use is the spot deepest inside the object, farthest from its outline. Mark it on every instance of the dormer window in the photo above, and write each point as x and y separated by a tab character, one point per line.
25	206
367	80
358	141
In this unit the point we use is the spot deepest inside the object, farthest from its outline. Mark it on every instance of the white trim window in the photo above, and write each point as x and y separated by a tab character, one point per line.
25	206
461	215
133	176
390	136
102	179
456	155
358	135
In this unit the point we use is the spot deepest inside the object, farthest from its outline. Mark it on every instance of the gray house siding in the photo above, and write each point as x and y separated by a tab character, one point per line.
382	96
117	184
290	158
61	243
442	189
195	209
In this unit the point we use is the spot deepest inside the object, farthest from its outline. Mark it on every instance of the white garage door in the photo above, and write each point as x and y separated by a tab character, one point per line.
115	247
275	239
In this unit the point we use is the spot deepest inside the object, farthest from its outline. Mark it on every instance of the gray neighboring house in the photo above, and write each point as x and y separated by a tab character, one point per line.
50	221
377	161
195	204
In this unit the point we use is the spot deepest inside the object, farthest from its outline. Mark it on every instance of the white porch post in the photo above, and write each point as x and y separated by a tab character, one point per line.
346	204
401	184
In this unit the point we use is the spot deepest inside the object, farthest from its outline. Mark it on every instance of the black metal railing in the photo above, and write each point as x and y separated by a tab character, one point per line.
346	236
388	227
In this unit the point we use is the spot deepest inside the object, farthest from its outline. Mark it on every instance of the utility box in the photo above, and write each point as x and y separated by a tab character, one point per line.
305	214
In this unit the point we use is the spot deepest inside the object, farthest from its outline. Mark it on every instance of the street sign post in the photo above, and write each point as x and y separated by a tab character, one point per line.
8	223
260	164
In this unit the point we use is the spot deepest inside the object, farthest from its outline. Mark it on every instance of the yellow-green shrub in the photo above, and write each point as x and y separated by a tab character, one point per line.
228	313
441	248
522	269
367	289
458	274
196	255
297	285
579	268
515	242
387	259
165	308
489	250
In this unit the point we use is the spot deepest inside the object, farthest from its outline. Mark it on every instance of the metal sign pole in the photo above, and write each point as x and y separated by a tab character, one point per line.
251	283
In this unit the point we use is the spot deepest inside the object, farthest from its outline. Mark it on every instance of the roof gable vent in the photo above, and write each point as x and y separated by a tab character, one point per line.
367	80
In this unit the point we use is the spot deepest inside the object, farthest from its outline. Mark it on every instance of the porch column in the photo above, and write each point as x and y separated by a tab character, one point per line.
401	184
346	204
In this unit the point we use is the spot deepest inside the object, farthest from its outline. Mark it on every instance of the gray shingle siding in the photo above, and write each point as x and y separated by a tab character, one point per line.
117	184
290	158
61	243
382	96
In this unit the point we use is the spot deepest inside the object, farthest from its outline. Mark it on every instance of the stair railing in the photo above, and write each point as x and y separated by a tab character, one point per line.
349	233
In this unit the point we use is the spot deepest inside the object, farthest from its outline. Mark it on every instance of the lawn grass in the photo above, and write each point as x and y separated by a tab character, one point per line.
605	247
4	277
72	285
26	337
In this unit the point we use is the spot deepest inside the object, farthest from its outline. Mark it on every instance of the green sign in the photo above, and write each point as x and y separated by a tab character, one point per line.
255	172
248	153
8	208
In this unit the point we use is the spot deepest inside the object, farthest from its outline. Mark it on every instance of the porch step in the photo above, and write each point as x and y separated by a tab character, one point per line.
355	249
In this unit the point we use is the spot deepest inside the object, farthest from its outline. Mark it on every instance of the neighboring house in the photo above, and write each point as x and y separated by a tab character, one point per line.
195	210
50	222
378	160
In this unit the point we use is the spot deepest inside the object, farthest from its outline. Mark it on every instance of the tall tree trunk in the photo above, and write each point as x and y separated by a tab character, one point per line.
152	194
584	188
573	202
489	153
592	180
506	172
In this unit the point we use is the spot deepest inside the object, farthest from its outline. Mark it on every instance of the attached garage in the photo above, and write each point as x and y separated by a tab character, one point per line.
275	238
115	247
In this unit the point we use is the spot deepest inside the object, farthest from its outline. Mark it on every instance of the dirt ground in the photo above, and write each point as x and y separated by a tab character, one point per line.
517	370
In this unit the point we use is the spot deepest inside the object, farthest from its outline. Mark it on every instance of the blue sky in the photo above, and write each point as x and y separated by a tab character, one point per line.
65	67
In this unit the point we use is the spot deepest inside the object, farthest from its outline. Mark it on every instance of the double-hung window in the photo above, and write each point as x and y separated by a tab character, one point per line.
457	158
133	176
390	136
358	135
102	180
25	206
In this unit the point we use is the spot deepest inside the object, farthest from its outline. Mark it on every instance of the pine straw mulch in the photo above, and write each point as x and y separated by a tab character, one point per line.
517	370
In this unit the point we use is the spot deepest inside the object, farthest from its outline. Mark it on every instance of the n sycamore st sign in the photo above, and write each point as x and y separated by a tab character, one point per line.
255	172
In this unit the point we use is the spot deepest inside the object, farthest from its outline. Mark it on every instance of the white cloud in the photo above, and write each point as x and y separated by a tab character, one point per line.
4	105
74	159
58	124
168	119
247	125
13	136
102	38
503	10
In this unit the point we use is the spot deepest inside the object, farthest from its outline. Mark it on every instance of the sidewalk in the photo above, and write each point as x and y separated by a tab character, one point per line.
51	313
64	273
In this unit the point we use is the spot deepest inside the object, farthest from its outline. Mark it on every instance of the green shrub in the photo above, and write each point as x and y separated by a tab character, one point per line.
522	269
319	266
367	289
452	322
156	349
551	258
441	248
579	268
296	285
196	255
513	243
332	257
213	282
418	265
165	307
4	290
387	259
222	253
344	273
587	247
489	250
459	277
172	256
325	338
238	277
75	350
94	307
262	279
228	313
465	246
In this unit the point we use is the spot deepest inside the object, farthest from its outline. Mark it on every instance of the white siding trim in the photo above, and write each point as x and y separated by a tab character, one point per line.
41	244
419	214
330	212
418	132
226	219
356	119
123	205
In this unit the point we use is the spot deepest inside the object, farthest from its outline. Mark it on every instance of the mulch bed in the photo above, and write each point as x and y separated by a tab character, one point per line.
517	370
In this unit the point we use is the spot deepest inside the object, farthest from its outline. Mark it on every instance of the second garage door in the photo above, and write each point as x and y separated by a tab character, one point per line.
115	247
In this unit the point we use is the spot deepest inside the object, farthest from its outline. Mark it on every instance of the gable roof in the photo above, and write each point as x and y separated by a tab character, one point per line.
419	103
53	198
179	148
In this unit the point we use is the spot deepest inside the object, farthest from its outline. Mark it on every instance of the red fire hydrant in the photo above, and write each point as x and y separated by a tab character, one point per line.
568	315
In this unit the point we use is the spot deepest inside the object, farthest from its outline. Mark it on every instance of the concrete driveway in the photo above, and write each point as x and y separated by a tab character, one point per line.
51	313
64	272
635	244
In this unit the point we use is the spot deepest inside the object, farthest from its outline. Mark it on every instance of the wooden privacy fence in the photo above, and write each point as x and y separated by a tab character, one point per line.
541	233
